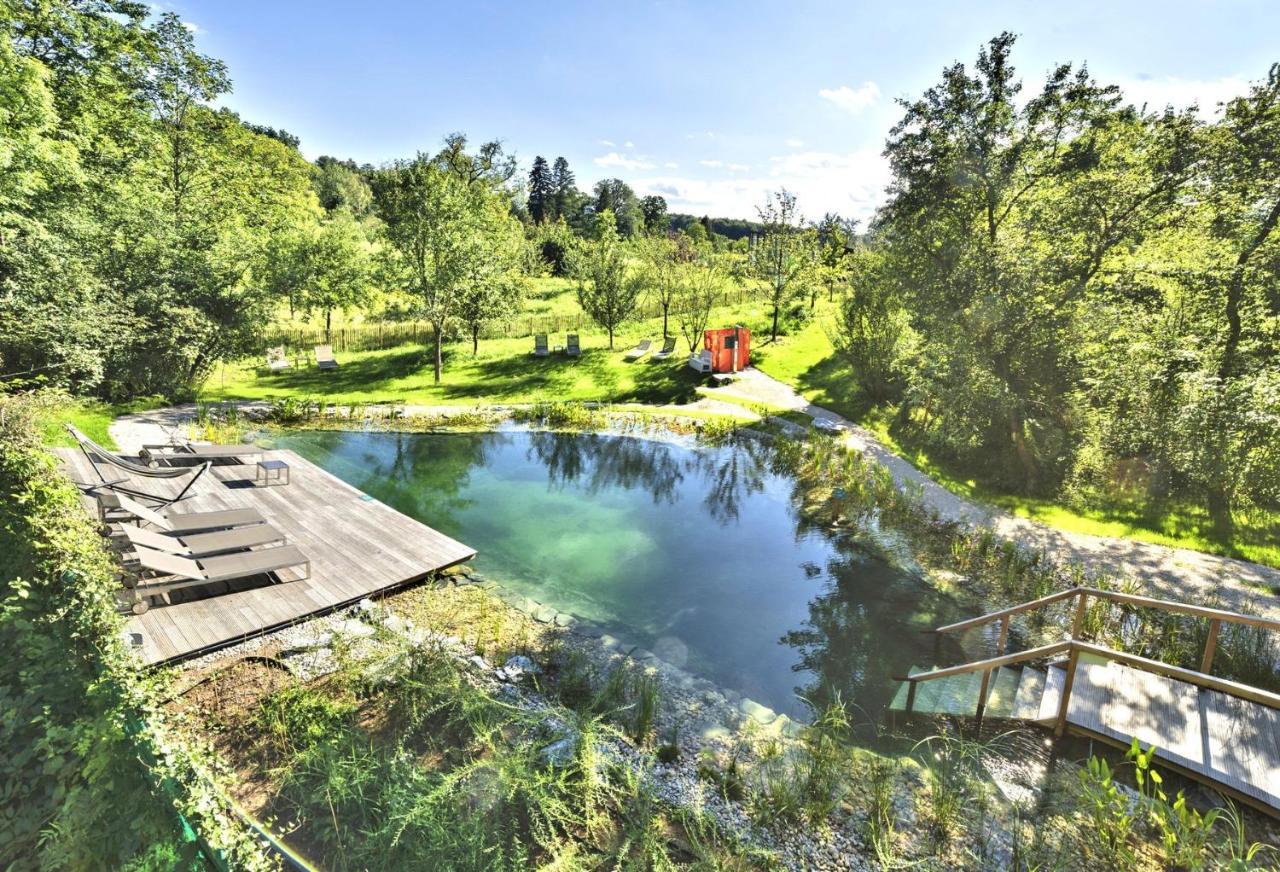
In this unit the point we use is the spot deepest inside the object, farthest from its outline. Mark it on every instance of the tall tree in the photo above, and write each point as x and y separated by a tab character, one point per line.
835	245
337	267
564	187
783	260
616	196
606	291
541	190
654	210
662	256
697	289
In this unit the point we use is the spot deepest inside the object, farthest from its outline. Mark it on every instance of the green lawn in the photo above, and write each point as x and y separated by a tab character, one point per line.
90	417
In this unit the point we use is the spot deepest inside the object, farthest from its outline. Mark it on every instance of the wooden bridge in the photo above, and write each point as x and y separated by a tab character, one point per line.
1222	732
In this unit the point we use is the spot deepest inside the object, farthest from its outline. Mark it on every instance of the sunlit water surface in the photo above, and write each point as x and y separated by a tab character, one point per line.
696	553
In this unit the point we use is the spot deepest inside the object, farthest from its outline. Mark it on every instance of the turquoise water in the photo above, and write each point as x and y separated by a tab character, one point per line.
696	553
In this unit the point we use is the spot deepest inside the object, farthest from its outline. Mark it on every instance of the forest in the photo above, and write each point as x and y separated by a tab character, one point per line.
1063	294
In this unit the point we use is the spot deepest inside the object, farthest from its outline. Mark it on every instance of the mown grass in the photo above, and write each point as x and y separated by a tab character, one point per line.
91	417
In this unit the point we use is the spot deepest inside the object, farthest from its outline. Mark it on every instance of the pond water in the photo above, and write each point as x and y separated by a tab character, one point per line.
696	553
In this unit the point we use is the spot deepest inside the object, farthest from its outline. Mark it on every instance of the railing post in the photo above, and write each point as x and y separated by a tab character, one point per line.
986	676
1060	724
1210	646
1077	623
911	695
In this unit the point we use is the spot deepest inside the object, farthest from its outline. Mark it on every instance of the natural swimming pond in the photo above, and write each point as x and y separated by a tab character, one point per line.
699	554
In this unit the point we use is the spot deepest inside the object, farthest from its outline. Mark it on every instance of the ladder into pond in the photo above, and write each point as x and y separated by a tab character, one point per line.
1221	732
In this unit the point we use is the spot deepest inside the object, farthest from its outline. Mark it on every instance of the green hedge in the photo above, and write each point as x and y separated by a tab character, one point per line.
75	713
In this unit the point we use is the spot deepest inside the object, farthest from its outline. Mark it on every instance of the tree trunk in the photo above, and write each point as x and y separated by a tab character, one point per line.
665	307
475	339
328	317
611	339
774	336
436	328
1026	457
1218	503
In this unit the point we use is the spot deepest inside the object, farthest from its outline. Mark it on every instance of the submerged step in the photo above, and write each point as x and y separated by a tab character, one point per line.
1026	703
1003	692
1055	681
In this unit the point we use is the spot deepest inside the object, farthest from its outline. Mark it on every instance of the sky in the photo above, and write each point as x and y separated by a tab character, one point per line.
709	104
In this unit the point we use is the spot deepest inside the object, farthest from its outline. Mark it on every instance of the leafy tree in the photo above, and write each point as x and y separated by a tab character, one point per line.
492	286
340	184
564	189
836	237
654	211
616	196
606	292
783	260
541	190
662	255
337	267
697	291
872	330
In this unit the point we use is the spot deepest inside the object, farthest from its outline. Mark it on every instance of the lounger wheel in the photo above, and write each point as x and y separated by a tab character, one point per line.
140	607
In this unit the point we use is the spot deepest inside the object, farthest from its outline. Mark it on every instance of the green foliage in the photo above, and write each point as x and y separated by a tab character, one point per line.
607	291
784	259
75	716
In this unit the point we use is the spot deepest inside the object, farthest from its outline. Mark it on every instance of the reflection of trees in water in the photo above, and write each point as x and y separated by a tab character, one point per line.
597	462
863	630
735	474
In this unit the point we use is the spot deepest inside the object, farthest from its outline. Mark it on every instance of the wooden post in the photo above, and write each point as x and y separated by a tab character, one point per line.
1060	724
1077	623
986	676
911	695
1210	646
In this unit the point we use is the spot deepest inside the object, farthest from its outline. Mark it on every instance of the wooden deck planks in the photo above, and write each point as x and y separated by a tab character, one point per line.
358	547
1220	738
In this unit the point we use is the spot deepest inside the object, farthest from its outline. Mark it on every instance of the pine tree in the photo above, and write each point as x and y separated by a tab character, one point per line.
562	181
542	190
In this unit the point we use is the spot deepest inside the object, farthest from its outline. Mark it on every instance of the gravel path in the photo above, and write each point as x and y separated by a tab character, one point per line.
1169	573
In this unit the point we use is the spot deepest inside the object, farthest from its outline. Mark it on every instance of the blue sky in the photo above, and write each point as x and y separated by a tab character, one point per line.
708	104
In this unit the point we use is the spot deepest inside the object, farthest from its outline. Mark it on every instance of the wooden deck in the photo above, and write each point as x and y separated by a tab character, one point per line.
358	547
1207	734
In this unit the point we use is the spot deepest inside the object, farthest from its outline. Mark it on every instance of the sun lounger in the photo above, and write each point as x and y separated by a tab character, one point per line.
203	544
572	347
191	452
540	348
276	360
325	358
640	350
97	455
158	573
116	507
668	349
701	362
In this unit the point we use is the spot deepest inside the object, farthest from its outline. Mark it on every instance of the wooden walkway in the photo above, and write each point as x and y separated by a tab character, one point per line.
358	547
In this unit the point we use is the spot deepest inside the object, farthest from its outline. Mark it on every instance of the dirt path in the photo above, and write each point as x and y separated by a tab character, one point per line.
1169	573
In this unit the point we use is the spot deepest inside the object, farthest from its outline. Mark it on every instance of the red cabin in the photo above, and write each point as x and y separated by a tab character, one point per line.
730	348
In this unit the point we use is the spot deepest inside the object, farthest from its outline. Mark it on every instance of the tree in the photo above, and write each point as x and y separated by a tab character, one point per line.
871	329
492	286
698	288
835	245
606	292
441	222
564	190
662	255
783	260
337	267
654	210
339	184
541	190
616	196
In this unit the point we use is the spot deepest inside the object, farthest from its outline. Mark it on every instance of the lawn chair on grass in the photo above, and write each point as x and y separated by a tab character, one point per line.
325	358
540	347
572	348
276	359
118	508
641	349
668	349
97	455
201	544
701	362
157	573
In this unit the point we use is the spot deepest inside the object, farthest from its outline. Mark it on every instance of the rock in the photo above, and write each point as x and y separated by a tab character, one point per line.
397	624
516	668
758	713
607	641
356	628
544	614
563	619
479	662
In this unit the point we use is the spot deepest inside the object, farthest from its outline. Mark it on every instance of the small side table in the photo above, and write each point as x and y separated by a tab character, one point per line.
265	470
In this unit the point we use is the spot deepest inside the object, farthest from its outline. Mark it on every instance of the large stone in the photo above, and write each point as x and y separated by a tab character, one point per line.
758	713
544	614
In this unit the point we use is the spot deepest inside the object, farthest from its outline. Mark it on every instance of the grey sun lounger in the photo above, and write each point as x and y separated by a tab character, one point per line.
573	347
276	359
540	347
668	349
157	573
203	544
641	349
188	452
97	455
325	358
119	507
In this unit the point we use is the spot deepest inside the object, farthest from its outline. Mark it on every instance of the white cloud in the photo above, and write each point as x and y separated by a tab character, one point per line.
852	99
851	184
622	162
671	165
1157	93
737	167
607	143
714	164
193	27
628	144
795	143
